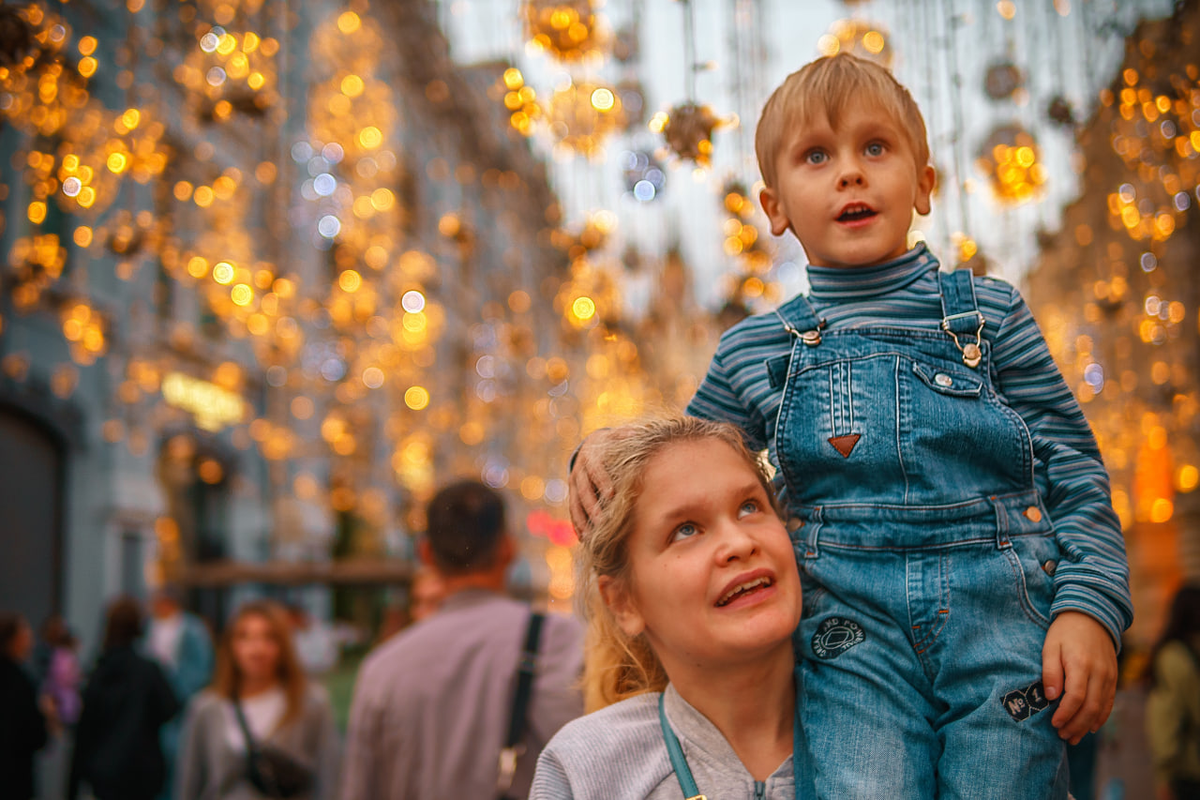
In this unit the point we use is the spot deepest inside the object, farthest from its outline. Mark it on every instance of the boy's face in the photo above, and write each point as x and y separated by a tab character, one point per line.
848	194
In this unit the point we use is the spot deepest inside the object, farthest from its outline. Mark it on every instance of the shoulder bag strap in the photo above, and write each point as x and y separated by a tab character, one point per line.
516	726
251	745
252	750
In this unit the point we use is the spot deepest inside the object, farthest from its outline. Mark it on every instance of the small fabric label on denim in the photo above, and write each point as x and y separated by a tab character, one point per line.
836	635
1021	704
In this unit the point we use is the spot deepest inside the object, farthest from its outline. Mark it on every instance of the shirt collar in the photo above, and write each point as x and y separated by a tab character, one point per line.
834	284
467	598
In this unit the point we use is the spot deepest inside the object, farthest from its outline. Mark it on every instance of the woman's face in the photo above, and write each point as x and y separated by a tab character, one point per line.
713	577
255	649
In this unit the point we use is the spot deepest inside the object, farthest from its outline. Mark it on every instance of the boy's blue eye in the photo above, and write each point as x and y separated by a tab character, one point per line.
684	531
875	149
749	507
816	157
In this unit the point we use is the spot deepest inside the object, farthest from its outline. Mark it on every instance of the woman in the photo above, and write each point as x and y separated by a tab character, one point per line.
126	702
22	726
260	693
1173	708
61	676
691	593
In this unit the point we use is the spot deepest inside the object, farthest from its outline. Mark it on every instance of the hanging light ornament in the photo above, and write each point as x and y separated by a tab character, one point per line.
857	37
39	88
688	130
591	237
229	72
1002	80
1011	160
90	163
566	29
521	101
37	262
581	116
1060	111
17	40
85	329
644	175
1156	132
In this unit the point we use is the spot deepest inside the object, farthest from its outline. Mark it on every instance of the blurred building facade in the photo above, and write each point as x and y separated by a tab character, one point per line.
272	271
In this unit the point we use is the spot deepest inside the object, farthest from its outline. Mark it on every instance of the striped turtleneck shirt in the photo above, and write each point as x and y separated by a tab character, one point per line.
1069	472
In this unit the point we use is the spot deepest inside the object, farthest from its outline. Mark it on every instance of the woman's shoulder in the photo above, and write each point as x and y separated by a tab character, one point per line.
622	742
206	703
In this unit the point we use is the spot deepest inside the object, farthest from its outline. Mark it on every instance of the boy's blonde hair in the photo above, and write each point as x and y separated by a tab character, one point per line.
617	666
828	86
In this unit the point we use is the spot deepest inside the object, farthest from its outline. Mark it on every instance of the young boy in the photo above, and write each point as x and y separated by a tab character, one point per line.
965	581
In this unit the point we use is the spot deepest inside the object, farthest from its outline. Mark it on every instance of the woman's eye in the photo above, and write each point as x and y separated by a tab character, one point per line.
684	531
749	507
816	157
875	149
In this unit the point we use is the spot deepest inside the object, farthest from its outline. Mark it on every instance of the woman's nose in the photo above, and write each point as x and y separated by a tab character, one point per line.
735	543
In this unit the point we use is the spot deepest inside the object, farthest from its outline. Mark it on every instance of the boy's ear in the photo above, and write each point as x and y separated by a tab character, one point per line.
926	181
776	214
615	596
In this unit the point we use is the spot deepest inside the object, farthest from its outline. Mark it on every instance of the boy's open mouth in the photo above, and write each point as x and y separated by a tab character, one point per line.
744	588
856	212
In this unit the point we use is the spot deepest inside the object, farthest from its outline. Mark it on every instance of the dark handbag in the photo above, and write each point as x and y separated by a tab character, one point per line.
271	771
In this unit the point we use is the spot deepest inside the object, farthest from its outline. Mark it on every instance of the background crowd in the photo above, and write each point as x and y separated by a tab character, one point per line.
158	712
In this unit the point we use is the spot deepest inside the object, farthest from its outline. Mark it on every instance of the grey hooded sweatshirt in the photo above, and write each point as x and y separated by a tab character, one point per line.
619	752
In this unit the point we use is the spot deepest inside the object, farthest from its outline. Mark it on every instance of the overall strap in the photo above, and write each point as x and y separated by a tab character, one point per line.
960	311
678	762
516	725
961	315
801	320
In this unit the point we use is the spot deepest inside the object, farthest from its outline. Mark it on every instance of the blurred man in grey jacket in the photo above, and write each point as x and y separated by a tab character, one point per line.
432	705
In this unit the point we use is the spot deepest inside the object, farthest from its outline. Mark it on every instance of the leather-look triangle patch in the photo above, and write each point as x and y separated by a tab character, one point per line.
845	444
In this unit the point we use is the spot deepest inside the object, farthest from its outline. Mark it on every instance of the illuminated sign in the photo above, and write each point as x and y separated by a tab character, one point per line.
212	406
558	531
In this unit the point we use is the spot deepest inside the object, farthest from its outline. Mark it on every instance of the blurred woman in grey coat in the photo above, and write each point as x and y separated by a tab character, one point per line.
259	679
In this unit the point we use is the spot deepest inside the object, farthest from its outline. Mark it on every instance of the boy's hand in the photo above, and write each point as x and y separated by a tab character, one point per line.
1079	653
590	484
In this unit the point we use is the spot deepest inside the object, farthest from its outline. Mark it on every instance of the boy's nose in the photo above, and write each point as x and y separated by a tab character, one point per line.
852	177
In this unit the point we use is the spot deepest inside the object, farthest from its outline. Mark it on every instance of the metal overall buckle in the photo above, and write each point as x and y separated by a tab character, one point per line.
971	352
811	338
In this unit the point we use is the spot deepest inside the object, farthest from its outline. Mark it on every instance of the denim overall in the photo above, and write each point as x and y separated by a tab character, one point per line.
926	558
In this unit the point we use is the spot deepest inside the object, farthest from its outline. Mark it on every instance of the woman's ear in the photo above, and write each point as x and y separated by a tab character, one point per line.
615	595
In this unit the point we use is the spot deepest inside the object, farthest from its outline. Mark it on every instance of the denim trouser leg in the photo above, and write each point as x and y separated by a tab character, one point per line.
923	679
866	726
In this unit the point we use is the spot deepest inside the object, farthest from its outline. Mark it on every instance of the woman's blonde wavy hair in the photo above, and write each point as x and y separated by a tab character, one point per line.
618	666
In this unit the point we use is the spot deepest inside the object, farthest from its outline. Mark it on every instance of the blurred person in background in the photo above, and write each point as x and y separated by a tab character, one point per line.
61	676
260	712
180	642
126	702
22	724
315	641
425	596
433	706
1173	707
427	593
